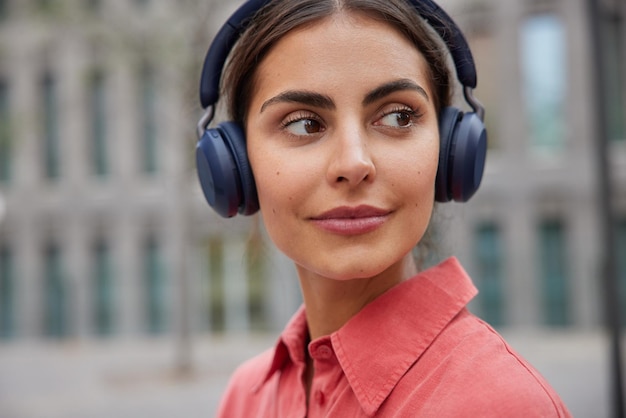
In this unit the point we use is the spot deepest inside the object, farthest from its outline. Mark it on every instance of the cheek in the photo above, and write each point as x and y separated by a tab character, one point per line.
414	184
271	185
277	184
281	204
414	172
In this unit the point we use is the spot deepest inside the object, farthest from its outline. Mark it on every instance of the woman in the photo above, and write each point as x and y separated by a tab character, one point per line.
341	103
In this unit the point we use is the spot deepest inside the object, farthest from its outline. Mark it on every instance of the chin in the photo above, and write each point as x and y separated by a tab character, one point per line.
355	268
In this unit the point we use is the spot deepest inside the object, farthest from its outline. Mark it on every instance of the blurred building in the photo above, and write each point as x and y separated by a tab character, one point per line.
106	233
530	236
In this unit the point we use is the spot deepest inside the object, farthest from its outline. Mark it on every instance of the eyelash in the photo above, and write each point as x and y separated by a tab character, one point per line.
415	115
298	117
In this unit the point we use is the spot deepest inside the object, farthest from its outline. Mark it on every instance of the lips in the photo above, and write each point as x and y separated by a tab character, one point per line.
352	220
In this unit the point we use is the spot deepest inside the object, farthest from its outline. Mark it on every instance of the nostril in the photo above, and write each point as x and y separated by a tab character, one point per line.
342	179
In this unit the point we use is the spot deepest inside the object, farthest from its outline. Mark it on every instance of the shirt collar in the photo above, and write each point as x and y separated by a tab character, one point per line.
379	344
290	345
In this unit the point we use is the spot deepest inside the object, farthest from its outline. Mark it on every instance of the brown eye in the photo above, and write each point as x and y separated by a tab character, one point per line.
403	118
312	126
304	126
399	119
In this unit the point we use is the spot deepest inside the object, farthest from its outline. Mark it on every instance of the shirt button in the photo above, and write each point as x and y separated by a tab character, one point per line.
324	352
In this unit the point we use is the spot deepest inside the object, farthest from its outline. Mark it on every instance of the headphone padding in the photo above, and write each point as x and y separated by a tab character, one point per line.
235	138
467	157
217	173
448	120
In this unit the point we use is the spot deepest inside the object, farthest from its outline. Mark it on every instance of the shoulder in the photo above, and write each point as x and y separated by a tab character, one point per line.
242	384
471	368
253	370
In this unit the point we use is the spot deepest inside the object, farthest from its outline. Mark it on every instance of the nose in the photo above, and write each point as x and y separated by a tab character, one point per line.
351	159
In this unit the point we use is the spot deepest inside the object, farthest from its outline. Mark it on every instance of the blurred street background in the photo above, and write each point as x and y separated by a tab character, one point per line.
122	294
138	378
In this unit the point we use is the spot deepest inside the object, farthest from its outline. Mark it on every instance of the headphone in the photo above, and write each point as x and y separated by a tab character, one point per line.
221	157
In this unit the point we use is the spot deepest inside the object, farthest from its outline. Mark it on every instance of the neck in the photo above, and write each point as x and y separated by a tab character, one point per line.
331	303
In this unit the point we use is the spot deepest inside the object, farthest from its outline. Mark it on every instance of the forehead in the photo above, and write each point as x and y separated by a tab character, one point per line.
343	49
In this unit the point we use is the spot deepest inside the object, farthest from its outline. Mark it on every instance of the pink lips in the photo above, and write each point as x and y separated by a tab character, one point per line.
351	220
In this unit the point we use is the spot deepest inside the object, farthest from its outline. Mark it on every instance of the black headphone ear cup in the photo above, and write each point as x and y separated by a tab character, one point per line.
224	171
236	139
467	162
448	119
463	148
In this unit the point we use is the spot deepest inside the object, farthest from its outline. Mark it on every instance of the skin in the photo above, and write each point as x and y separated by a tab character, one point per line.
342	116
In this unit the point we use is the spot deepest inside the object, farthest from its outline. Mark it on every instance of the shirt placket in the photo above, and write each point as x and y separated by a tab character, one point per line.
326	368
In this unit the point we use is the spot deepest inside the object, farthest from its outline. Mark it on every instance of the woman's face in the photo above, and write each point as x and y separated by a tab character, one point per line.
343	141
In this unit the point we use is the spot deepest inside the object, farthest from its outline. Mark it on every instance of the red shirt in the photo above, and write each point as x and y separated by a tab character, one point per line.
415	351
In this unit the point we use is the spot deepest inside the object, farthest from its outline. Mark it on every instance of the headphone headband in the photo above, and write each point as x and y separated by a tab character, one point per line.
230	32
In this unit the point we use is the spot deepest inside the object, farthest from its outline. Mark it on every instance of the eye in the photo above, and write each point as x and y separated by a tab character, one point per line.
399	118
303	125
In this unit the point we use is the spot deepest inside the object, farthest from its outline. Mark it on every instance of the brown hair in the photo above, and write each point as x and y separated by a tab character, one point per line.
279	17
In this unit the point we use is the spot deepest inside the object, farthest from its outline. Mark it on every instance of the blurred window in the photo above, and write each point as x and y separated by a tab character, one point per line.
4	9
103	289
155	287
621	266
553	272
55	293
148	135
7	293
93	5
51	144
257	284
48	6
615	73
6	146
490	268
544	79
97	107
216	292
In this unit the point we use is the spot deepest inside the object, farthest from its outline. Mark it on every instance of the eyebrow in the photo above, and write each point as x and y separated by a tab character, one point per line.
392	87
324	102
303	97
